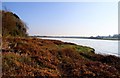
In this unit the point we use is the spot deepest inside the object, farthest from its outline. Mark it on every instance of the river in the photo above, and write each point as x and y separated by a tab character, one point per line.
111	47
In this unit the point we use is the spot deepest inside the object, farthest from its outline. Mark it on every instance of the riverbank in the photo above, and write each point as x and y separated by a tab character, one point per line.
41	57
104	47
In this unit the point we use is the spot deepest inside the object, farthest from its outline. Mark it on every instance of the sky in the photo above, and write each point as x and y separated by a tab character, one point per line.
60	1
67	18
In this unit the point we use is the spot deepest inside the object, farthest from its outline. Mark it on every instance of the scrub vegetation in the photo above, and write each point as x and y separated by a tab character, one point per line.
40	57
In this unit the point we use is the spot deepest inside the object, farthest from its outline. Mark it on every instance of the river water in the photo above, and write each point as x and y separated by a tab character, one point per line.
111	47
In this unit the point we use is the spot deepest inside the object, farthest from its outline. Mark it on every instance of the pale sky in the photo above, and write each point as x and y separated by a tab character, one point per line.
67	18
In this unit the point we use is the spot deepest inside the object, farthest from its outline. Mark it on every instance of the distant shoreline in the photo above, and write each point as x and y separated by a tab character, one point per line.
115	39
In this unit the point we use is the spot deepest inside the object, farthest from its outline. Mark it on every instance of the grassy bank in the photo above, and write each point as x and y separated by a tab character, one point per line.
41	57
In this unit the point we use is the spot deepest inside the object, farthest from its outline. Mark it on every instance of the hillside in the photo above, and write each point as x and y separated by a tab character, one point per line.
39	57
12	25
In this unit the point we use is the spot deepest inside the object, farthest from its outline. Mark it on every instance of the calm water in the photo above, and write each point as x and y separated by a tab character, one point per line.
100	46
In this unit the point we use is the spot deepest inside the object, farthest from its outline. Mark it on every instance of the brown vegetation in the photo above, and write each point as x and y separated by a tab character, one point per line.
38	57
12	25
